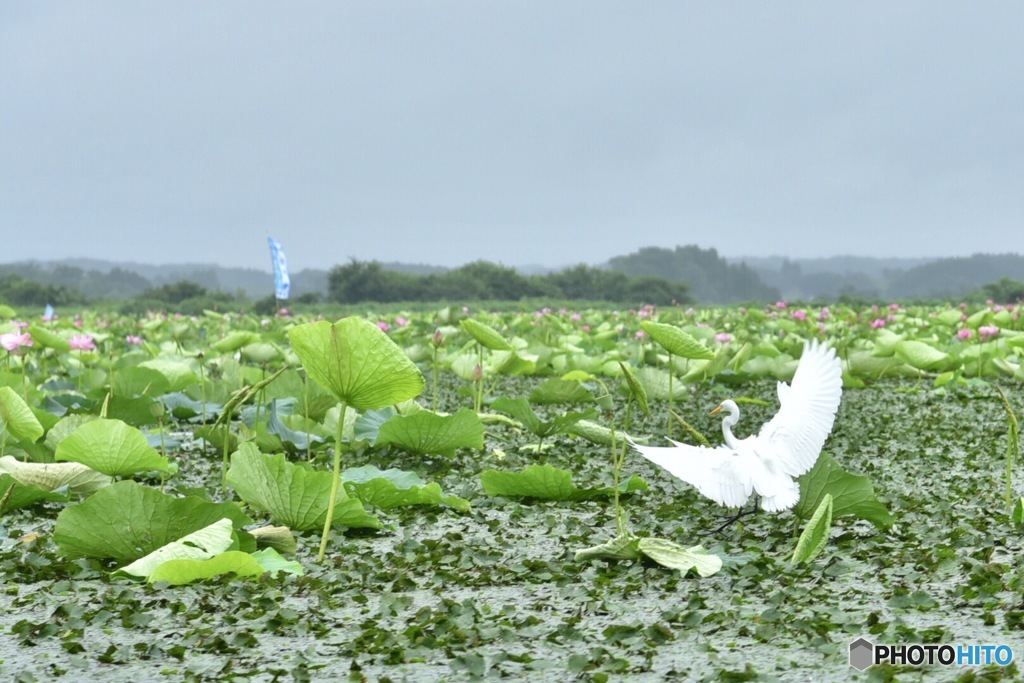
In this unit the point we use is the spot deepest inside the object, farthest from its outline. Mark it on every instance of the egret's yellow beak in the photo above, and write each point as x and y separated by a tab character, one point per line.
716	411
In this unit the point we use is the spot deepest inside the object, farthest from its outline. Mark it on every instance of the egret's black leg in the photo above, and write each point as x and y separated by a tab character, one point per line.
732	518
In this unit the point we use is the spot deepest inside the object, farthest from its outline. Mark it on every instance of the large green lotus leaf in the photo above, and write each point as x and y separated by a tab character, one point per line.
485	335
51	340
126	521
666	553
601	435
299	440
635	387
396	488
852	494
865	364
920	355
178	373
623	547
181	571
138	381
885	343
655	382
815	535
676	342
260	352
17	418
464	365
293	495
234	341
560	390
512	363
280	538
241	564
111	447
949	317
79	479
65	427
357	362
675	556
367	426
427	432
24	495
520	409
134	410
202	544
545	482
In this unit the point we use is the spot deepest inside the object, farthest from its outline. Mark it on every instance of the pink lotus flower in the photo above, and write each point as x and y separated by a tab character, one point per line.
781	304
641	335
824	313
964	334
133	339
723	337
82	342
877	323
894	307
14	342
586	328
575	317
987	332
800	315
401	322
383	326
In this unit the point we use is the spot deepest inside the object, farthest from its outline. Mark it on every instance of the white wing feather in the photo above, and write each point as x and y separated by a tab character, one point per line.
794	437
787	446
715	472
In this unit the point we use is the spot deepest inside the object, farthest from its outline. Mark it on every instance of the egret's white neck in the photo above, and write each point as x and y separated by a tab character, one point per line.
728	422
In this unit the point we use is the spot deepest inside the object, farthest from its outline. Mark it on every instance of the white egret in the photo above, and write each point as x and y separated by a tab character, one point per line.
787	445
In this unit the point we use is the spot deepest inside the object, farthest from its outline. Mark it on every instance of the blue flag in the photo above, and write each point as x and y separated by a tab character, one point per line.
282	285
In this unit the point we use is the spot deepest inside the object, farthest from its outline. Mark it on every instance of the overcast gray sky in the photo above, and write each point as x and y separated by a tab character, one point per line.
517	132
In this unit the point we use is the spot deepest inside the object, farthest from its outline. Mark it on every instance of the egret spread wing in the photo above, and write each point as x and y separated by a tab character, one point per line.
715	472
794	437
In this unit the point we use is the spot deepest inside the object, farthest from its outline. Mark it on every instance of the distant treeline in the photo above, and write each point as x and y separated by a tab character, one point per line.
369	281
947	278
650	275
711	278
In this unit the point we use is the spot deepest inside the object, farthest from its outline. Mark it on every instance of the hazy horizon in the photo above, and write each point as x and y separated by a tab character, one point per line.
520	133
